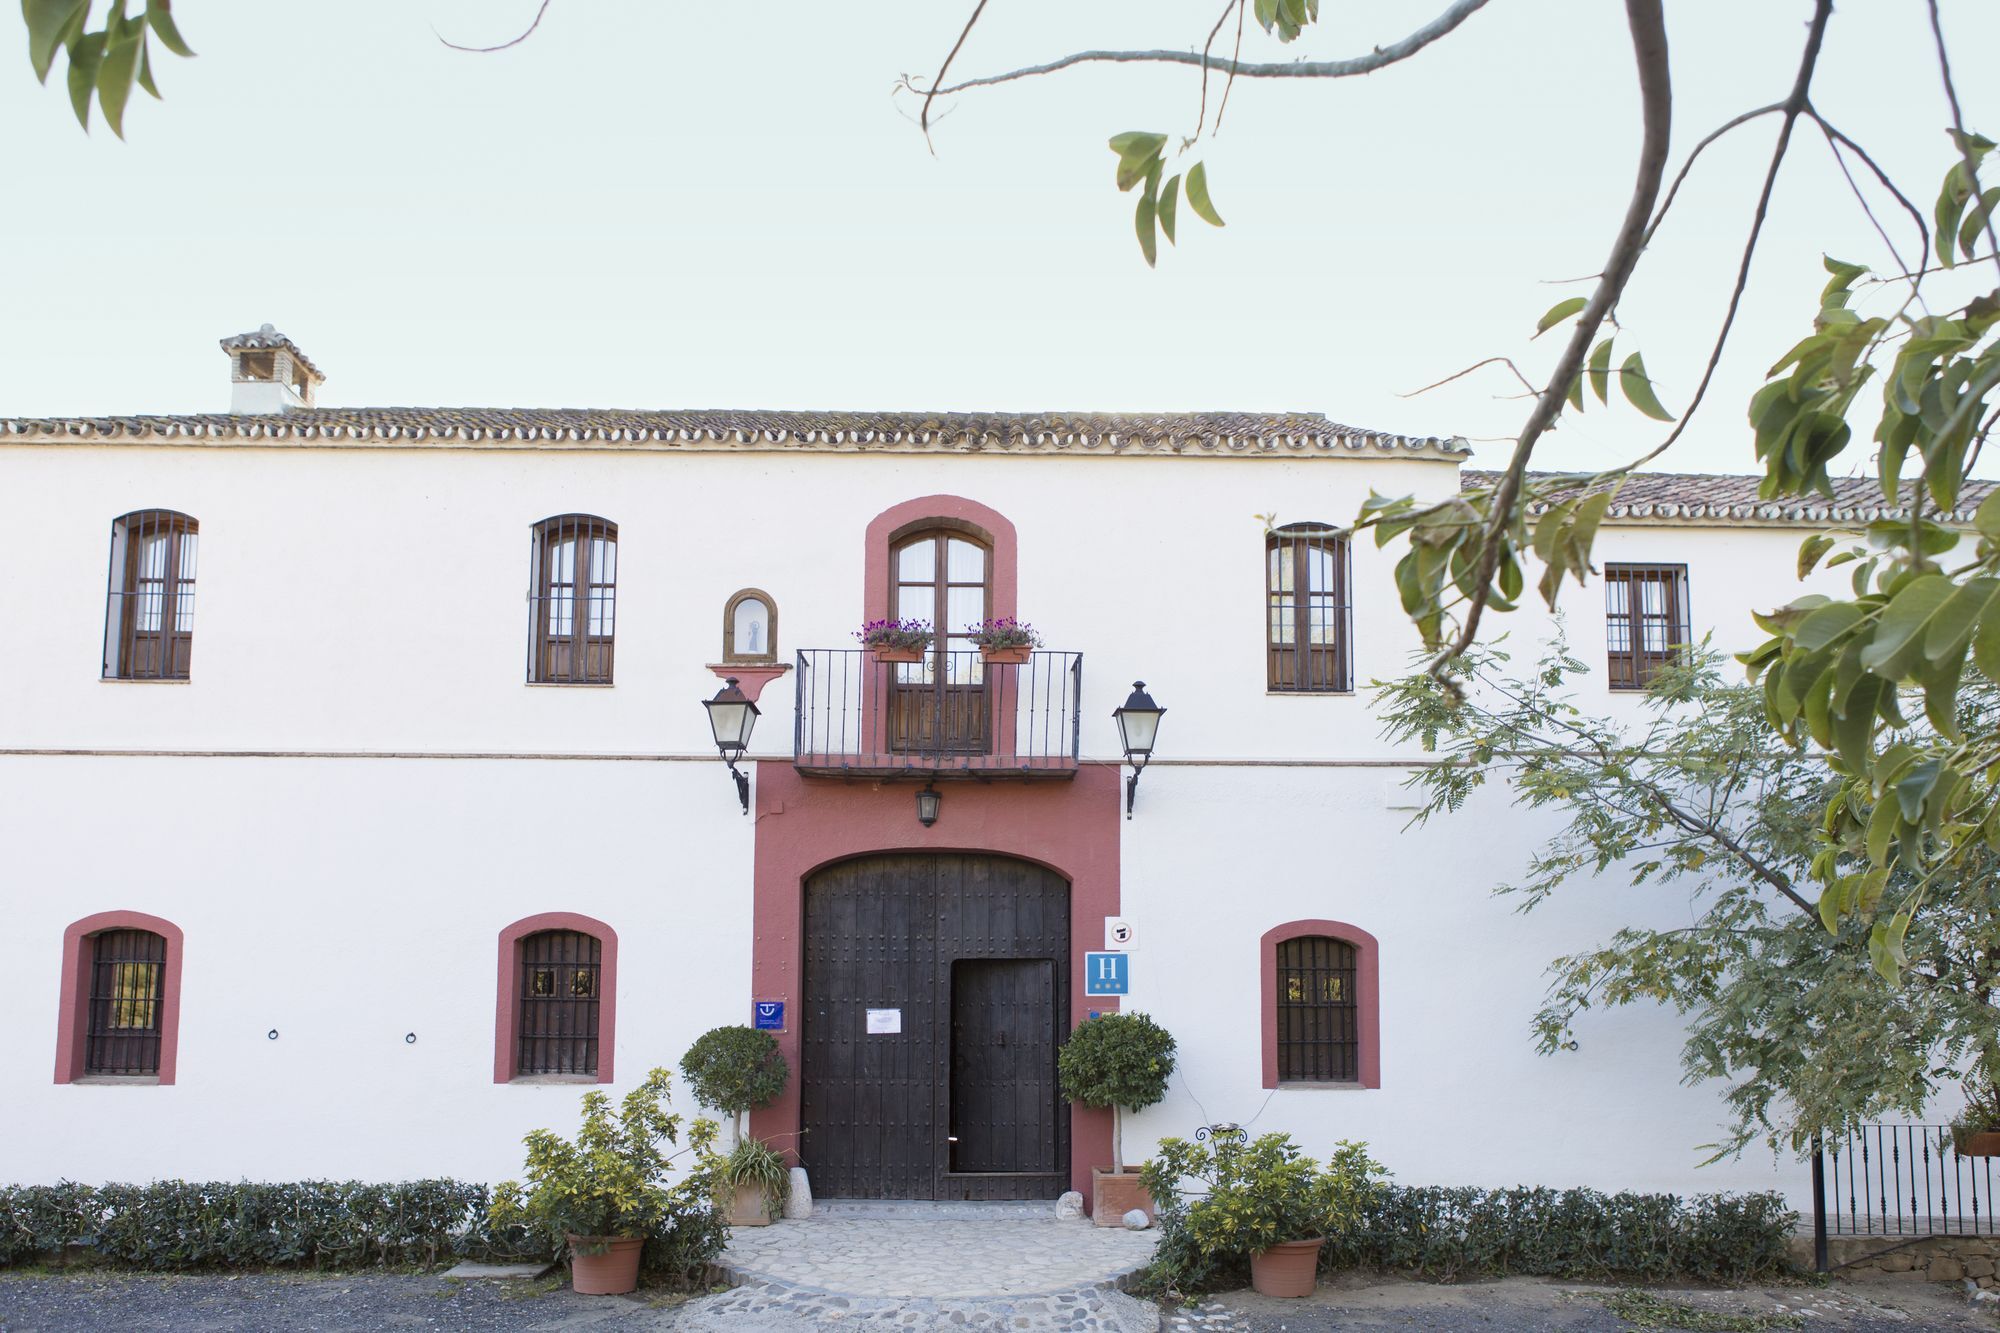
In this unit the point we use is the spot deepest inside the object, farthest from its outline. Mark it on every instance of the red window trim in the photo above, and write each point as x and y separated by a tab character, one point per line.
506	1008
73	1007
989	525
1367	985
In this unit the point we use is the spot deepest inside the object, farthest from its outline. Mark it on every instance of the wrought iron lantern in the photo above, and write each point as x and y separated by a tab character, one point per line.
732	717
929	801
1138	724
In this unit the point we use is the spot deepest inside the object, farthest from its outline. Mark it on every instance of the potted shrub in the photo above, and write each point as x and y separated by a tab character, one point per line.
1266	1199
1975	1131
896	640
1116	1061
736	1070
604	1193
1005	639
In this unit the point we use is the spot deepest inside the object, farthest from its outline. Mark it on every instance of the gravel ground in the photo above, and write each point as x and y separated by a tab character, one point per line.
293	1303
1529	1304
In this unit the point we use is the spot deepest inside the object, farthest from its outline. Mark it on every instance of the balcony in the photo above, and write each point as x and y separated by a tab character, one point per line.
952	715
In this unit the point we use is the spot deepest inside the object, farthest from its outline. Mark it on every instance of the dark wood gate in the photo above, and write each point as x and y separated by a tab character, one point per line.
936	991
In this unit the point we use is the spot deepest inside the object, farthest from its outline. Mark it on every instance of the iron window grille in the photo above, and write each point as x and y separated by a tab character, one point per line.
1318	1021
1645	621
572	600
149	613
558	1021
127	972
1309	612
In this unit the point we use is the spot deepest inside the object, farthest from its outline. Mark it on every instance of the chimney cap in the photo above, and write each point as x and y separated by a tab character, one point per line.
266	337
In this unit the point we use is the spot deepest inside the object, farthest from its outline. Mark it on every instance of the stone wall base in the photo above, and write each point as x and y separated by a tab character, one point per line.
1931	1259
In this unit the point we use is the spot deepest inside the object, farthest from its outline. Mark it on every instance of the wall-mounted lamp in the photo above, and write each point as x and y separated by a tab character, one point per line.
1138	724
732	717
928	802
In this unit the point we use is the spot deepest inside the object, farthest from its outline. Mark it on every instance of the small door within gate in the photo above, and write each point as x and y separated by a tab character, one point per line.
936	992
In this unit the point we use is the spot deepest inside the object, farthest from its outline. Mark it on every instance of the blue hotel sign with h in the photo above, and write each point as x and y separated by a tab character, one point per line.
1107	974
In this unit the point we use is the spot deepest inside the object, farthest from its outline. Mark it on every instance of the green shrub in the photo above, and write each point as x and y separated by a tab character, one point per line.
1121	1061
1457	1233
754	1163
1249	1198
613	1179
733	1070
178	1224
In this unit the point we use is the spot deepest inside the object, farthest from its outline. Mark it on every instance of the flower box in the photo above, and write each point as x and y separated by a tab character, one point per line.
886	654
1012	656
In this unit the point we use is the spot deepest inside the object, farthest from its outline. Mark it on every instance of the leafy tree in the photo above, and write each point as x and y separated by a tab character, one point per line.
1119	1061
1706	794
735	1069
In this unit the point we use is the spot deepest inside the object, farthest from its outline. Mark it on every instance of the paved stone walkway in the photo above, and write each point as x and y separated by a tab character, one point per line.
929	1268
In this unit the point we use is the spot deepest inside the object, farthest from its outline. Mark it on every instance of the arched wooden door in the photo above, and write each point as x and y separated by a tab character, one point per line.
936	992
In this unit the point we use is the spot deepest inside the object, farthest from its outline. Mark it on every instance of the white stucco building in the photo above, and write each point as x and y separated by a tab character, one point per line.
358	801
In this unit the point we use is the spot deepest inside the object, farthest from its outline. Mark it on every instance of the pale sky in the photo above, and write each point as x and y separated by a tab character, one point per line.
664	204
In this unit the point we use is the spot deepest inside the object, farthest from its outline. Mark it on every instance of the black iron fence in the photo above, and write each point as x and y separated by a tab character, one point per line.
941	714
1904	1180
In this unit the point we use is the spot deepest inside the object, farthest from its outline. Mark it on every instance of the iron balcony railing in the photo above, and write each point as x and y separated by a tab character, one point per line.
950	714
1899	1180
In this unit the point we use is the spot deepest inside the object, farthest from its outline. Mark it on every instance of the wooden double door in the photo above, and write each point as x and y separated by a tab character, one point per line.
936	992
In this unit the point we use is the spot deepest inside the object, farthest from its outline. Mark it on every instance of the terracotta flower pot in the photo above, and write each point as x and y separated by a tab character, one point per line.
1288	1268
1006	656
1114	1194
1985	1143
611	1268
886	654
749	1208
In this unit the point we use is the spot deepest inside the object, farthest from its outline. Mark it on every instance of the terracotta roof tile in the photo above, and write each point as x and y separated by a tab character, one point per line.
1698	497
1224	434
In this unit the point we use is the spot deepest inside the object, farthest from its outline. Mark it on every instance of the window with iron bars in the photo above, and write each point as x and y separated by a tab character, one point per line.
1645	621
572	600
127	970
558	1016
149	614
1308	610
1318	1021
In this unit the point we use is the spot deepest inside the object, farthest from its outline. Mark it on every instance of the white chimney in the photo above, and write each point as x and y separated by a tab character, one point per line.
268	373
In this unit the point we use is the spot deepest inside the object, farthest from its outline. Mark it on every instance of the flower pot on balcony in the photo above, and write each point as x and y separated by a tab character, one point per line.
604	1265
1980	1143
1288	1268
887	654
1114	1194
1013	656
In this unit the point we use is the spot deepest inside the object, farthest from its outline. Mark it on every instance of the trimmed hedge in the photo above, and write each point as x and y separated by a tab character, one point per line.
1450	1234
1454	1234
179	1224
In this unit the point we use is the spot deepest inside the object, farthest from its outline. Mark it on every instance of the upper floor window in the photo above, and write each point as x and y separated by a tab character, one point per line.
573	600
149	619
942	576
1645	621
1308	611
750	628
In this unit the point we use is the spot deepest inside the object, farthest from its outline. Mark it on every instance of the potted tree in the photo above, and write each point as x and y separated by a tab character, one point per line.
896	640
1975	1131
1116	1061
1005	640
736	1070
604	1193
1266	1199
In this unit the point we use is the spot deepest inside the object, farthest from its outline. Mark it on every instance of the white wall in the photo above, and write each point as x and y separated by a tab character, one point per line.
374	600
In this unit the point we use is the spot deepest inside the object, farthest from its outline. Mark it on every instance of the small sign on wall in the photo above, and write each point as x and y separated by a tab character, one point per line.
767	1015
884	1022
1107	974
1120	934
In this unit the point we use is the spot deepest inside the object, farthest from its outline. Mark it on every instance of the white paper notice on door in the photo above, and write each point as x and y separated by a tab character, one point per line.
881	1021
